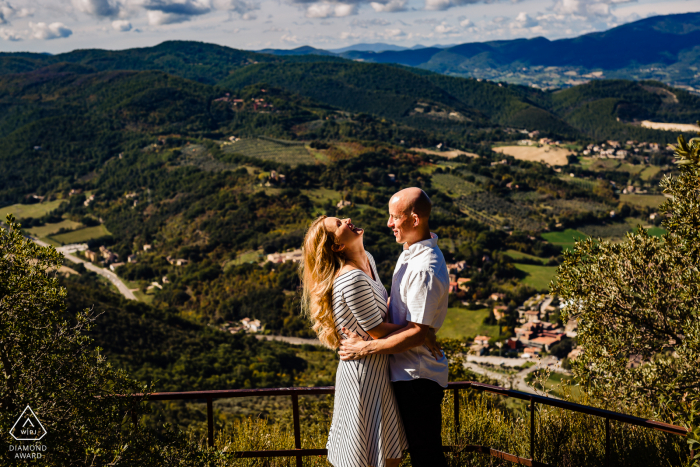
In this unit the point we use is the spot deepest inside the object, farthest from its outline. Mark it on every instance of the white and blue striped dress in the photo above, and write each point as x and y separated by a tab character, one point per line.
366	428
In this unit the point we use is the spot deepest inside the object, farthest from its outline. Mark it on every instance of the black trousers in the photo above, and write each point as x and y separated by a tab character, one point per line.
419	403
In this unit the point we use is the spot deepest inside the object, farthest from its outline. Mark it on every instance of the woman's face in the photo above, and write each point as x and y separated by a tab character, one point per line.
346	233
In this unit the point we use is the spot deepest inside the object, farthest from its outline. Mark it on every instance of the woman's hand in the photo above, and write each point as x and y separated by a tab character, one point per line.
432	345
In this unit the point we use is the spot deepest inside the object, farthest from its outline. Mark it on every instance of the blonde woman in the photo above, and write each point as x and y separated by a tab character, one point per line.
342	294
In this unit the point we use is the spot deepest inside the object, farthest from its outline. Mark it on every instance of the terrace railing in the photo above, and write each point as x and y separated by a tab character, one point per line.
455	387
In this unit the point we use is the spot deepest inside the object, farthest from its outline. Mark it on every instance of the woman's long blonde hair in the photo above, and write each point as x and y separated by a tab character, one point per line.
318	269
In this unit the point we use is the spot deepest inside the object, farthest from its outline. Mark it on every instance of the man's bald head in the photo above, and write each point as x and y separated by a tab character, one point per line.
409	212
413	200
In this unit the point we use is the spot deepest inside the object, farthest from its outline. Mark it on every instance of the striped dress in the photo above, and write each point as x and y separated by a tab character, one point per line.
366	427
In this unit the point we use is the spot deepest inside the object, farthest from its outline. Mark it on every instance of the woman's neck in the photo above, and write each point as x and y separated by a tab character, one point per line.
358	258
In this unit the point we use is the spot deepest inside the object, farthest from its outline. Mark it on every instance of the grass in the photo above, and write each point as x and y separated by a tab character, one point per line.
48	229
320	195
22	211
461	323
537	277
565	238
649	172
249	256
82	235
516	255
272	151
651	201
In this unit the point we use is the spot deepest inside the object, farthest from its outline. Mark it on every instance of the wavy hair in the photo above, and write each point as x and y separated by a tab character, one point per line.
318	269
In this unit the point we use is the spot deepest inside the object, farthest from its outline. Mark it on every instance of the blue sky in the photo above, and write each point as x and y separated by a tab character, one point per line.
61	26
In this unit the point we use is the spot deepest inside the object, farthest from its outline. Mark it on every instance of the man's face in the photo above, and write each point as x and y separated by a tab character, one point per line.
400	222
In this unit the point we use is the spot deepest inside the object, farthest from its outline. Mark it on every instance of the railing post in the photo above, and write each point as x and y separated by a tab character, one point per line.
607	442
297	427
210	422
532	429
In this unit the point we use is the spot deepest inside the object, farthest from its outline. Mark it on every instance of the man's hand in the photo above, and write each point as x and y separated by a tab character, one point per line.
432	345
352	348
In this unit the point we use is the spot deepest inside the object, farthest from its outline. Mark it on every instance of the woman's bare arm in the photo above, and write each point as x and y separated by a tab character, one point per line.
383	330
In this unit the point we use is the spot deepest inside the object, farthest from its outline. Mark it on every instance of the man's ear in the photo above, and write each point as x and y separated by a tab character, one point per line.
416	219
338	248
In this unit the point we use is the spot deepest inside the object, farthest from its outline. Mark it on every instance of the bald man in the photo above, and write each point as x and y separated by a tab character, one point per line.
419	296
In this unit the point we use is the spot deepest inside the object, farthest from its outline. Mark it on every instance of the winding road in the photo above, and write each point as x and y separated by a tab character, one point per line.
106	273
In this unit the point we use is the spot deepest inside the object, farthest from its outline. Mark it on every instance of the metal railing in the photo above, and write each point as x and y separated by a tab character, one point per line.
455	387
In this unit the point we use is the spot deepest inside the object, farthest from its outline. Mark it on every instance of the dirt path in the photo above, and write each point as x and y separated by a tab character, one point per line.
552	155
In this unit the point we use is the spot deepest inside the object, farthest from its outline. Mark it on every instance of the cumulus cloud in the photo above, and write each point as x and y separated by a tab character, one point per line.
326	10
444	28
446	4
243	8
121	25
586	8
7	12
49	31
524	21
391	6
466	23
98	8
9	35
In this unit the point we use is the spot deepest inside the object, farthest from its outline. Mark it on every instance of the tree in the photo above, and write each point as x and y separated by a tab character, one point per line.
637	304
48	363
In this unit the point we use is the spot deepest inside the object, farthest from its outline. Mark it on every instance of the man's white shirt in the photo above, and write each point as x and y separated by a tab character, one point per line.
419	294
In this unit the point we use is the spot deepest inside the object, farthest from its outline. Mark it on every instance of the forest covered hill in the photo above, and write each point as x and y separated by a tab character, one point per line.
191	164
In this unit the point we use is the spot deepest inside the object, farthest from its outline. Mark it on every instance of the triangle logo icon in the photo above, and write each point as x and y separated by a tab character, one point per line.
28	427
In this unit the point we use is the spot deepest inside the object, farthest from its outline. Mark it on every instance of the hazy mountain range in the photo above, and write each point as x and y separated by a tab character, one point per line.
664	48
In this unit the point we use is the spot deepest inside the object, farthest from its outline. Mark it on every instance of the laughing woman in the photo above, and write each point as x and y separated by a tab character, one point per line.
341	289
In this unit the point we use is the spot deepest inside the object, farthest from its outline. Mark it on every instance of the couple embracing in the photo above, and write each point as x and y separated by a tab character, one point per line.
391	377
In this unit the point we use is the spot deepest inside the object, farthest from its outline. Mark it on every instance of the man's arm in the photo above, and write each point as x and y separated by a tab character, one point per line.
409	336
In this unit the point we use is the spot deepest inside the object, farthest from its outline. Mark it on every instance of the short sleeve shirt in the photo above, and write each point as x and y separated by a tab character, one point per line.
419	294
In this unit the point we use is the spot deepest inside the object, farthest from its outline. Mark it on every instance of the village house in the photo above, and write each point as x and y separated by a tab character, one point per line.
497	297
251	325
529	352
499	312
107	255
132	259
147	247
342	203
457	267
92	256
176	261
113	267
294	256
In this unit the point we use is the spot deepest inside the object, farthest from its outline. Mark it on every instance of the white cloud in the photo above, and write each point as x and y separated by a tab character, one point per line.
391	6
445	4
466	23
394	33
98	8
524	21
326	10
9	35
7	12
289	39
49	31
243	8
587	8
161	12
121	25
366	23
444	28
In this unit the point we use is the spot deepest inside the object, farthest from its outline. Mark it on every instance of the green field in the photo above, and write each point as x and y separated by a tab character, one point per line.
82	235
516	255
538	277
461	323
453	185
649	172
651	201
22	211
565	238
48	229
271	151
249	256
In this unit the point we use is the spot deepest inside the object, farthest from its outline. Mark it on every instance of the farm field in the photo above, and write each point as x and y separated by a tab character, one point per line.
516	255
565	238
537	277
22	211
250	256
548	154
291	154
617	230
649	172
655	231
683	127
651	201
446	154
48	229
82	235
461	323
453	185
